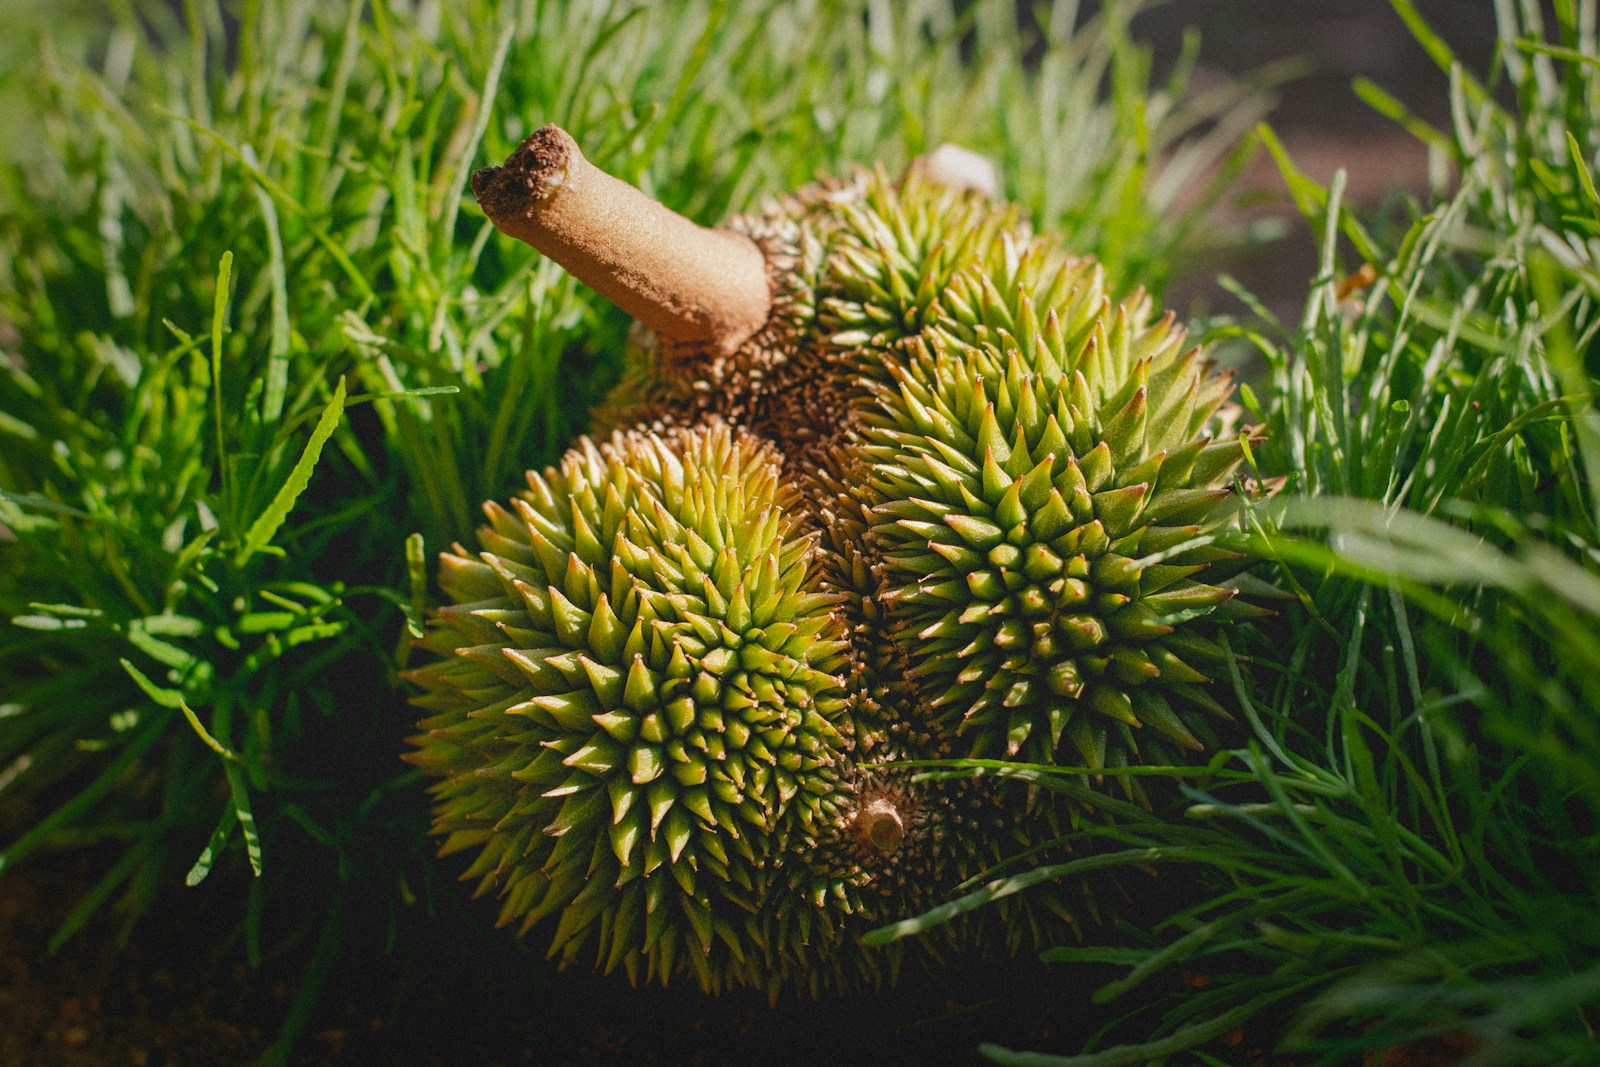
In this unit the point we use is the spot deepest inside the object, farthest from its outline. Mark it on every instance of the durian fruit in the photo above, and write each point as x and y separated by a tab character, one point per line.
1036	474
637	709
892	478
1040	545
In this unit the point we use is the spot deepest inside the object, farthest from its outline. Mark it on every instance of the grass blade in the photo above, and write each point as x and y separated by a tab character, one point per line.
240	794
208	855
267	523
172	699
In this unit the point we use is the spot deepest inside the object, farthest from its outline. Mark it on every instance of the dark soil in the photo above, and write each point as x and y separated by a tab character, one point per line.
176	993
150	1002
457	992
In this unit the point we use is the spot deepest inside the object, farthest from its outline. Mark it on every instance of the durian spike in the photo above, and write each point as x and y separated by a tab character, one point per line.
687	282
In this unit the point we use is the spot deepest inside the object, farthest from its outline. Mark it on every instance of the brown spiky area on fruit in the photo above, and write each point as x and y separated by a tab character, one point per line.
922	490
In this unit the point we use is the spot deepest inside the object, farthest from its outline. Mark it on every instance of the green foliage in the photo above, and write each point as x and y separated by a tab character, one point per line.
1407	842
252	341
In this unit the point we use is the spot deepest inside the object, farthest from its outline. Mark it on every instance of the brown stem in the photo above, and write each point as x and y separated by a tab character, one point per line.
684	281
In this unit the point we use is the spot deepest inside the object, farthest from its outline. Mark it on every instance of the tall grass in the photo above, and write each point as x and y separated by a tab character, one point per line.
259	358
1404	847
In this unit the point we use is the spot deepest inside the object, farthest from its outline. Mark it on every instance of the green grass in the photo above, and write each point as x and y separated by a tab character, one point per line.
260	357
1406	841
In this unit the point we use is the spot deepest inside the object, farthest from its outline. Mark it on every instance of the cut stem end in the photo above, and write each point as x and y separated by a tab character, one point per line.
880	824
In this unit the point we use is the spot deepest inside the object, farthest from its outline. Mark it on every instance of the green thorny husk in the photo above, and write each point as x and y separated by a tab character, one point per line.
950	501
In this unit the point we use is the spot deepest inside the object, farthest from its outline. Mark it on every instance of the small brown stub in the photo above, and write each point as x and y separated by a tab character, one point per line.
880	824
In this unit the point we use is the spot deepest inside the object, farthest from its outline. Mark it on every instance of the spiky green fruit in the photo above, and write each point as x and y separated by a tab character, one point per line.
1040	540
1038	475
969	508
639	699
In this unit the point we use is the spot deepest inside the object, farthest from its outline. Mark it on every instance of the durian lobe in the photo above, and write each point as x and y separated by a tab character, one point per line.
658	704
